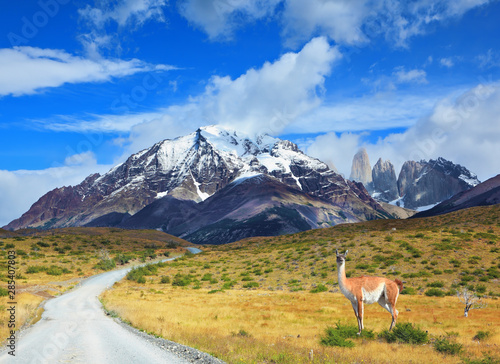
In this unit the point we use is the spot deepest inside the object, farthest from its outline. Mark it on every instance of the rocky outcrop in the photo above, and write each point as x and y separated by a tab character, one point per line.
384	181
361	170
484	194
422	184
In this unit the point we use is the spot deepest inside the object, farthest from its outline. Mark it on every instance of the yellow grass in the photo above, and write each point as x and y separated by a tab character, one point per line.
283	327
80	259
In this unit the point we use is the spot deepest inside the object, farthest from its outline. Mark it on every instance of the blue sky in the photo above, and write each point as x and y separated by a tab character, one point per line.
85	84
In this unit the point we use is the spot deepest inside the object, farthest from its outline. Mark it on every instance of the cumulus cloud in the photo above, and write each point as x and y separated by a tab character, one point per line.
20	189
340	20
259	101
463	129
269	98
27	70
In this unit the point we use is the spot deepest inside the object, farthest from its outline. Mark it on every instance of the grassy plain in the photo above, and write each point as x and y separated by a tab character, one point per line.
269	300
51	262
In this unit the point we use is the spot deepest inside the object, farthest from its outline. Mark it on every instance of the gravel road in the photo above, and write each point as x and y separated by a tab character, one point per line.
74	329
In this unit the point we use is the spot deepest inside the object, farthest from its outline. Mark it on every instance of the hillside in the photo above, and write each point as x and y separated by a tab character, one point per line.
270	299
457	249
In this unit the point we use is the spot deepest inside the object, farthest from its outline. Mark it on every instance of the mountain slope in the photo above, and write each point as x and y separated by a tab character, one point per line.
250	206
484	194
193	168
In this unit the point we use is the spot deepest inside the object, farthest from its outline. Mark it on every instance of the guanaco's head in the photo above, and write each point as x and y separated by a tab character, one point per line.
341	257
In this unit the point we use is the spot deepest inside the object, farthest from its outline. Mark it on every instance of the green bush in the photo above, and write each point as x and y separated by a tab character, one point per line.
123	258
137	274
206	277
436	284
319	288
405	333
105	264
181	280
482	335
4	292
436	292
338	335
251	285
35	269
165	279
443	345
228	285
54	270
409	291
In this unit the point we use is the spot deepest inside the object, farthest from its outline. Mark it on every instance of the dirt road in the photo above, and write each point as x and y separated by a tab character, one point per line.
74	329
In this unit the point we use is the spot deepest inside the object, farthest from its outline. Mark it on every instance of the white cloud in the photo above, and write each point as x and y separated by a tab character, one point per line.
351	22
20	189
269	98
261	100
135	12
412	76
340	20
446	62
465	130
336	150
220	18
27	70
354	22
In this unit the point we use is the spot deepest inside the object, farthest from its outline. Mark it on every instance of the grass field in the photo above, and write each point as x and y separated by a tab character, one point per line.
50	262
269	300
259	326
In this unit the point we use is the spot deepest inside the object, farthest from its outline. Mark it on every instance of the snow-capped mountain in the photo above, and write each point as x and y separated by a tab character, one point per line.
194	168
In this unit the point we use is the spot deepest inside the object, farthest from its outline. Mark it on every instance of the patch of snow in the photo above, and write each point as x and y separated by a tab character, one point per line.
398	200
470	180
161	194
203	195
426	207
245	176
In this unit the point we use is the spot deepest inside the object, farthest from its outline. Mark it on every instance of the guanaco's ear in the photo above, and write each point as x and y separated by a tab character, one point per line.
345	254
337	252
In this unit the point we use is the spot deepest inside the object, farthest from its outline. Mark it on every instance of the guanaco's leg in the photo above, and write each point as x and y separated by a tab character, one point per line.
360	316
386	303
355	307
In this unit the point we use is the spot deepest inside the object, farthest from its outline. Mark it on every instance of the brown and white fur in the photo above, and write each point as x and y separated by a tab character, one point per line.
360	290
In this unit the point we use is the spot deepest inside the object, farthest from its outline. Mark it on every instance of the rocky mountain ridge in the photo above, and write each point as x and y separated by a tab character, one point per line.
191	169
419	185
483	194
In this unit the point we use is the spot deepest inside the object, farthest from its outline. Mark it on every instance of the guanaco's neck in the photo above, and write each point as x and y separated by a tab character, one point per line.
341	276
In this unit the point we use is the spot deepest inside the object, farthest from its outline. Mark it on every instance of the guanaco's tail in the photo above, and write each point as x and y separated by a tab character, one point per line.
400	284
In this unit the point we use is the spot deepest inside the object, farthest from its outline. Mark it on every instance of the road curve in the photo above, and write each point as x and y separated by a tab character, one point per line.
74	329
